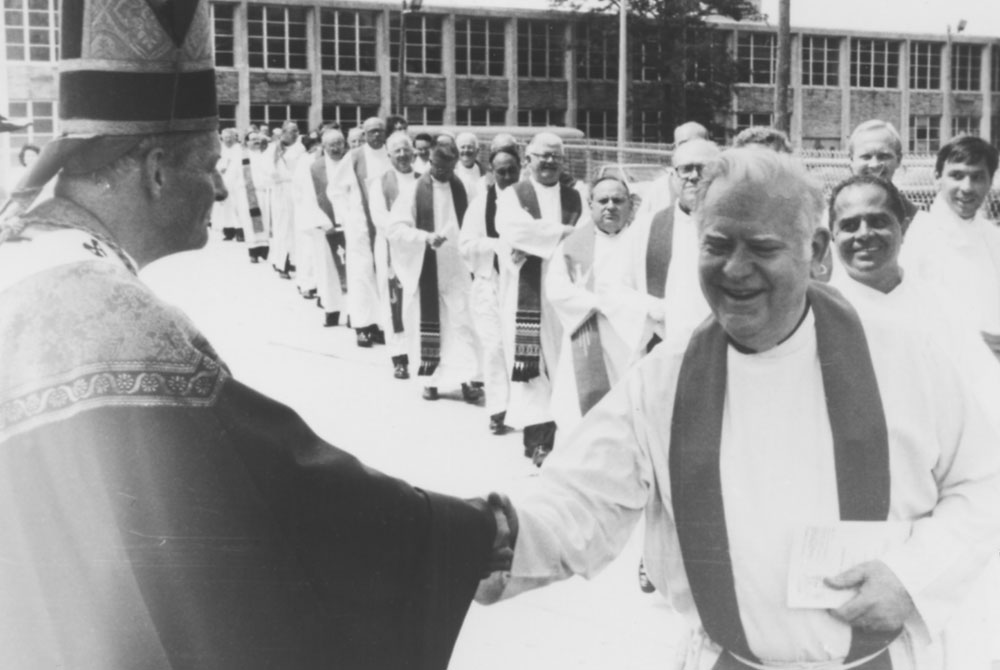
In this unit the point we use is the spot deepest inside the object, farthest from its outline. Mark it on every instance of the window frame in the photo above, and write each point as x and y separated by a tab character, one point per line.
931	140
359	46
552	37
829	74
266	58
966	67
493	47
749	44
47	49
429	65
882	53
926	75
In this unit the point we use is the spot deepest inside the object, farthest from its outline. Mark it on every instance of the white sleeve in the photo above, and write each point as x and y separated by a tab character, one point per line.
520	231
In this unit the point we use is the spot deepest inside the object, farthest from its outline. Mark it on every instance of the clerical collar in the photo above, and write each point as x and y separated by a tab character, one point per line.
747	351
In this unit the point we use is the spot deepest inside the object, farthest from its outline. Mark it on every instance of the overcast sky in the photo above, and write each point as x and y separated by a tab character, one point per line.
909	16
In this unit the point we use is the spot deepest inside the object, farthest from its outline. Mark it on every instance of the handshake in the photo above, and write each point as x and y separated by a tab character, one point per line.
502	556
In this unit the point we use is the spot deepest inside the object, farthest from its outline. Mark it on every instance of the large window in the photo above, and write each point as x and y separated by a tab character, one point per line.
41	115
272	116
424	116
423	44
746	120
649	126
479	47
348	116
227	116
965	67
995	70
277	37
224	34
541	117
598	124
597	52
820	61
995	130
346	41
755	58
925	66
874	63
481	116
964	125
925	134
646	59
32	30
540	49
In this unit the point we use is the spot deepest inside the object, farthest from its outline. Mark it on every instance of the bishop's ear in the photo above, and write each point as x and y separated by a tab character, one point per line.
154	171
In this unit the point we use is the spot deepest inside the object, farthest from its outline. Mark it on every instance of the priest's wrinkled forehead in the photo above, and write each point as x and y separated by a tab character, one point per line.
754	183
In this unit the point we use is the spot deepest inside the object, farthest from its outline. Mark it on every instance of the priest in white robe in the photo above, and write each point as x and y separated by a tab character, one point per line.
257	174
482	249
662	257
227	215
350	185
786	413
868	218
954	246
533	216
282	158
599	319
469	169
320	237
384	190
424	236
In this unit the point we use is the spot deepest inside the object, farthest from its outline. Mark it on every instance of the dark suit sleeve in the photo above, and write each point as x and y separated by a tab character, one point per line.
226	537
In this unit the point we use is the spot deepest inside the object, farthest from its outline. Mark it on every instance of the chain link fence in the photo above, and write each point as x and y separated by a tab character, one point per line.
638	163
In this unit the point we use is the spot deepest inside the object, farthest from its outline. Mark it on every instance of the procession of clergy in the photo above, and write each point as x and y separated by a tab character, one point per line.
513	281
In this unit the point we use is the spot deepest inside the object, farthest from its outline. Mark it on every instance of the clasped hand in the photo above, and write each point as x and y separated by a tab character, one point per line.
881	605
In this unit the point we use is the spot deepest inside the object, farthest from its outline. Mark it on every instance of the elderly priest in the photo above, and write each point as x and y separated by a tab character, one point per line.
155	512
787	427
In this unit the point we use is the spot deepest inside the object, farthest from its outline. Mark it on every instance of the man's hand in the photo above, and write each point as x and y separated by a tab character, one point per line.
506	537
881	604
517	256
993	342
435	240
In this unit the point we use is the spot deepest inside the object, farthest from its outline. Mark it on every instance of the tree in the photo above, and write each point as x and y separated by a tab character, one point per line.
679	50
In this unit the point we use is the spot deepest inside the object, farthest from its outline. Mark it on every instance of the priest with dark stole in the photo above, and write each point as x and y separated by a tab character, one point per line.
533	217
819	490
425	222
155	512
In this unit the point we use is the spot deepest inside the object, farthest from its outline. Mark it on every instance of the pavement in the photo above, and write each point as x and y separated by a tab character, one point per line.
274	340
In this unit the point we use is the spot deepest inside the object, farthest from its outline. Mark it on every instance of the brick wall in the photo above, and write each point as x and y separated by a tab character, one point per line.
280	87
885	105
542	94
481	93
821	112
351	89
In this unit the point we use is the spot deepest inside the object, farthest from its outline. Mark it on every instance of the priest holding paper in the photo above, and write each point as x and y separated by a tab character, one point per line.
786	416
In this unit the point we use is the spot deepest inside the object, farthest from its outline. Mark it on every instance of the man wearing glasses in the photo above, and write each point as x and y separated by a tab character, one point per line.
532	218
663	256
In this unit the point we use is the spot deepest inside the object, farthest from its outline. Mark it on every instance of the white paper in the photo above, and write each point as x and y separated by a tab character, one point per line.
819	552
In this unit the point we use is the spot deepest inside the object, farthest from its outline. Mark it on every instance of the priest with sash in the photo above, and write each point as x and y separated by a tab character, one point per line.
426	222
350	184
599	319
533	217
661	260
482	249
819	490
385	190
320	235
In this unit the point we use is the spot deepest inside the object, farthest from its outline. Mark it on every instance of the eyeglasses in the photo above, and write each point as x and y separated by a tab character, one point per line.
547	158
617	200
689	170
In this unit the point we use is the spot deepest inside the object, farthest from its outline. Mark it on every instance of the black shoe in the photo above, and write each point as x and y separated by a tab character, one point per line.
497	426
308	295
332	318
430	393
539	455
645	585
284	275
378	335
400	371
471	394
364	339
254	259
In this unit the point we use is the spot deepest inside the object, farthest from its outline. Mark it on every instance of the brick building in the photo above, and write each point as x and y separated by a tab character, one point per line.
313	61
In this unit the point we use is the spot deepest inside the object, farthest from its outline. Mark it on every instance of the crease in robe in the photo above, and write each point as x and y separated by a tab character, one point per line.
530	401
459	357
384	195
157	513
481	248
317	266
348	186
615	469
281	166
586	287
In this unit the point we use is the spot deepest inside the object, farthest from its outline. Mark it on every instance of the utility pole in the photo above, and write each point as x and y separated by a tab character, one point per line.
782	118
622	76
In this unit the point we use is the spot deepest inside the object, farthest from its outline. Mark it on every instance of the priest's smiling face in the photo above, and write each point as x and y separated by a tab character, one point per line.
755	258
868	236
